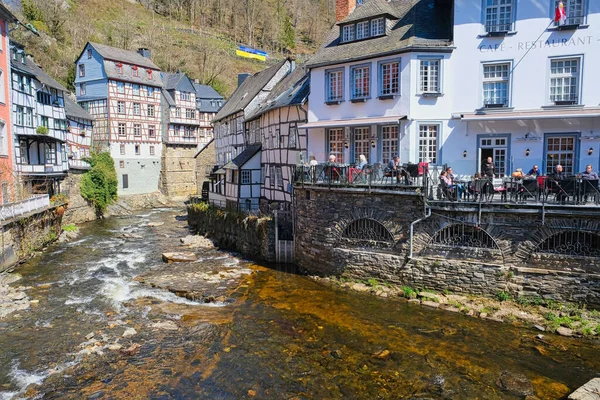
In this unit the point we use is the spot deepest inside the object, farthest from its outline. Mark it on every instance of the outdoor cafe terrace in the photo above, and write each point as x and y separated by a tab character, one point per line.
530	192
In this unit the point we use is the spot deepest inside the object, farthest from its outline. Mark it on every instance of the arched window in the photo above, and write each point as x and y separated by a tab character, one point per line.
368	232
462	235
572	243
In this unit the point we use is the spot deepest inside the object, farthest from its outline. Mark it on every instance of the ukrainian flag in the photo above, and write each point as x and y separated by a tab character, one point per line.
248	52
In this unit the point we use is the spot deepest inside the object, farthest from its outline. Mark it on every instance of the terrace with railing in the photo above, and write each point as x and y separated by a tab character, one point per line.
425	180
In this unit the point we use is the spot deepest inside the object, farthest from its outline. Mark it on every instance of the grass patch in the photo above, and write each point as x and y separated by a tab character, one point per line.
374	283
503	296
69	228
409	292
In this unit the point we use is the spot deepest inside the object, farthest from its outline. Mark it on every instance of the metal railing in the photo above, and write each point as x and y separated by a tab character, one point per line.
16	209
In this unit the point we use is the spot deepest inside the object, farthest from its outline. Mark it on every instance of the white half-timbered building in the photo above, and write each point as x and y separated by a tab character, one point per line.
122	90
208	104
242	185
39	125
80	125
283	145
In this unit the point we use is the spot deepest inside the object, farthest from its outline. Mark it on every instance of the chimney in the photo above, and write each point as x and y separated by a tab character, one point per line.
144	52
242	78
343	8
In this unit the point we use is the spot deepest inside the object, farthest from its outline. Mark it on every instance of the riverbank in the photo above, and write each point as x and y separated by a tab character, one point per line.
544	315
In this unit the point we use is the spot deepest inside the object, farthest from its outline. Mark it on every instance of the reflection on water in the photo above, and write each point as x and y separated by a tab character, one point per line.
284	336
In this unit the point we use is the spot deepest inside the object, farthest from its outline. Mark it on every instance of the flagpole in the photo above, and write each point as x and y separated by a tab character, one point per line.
531	48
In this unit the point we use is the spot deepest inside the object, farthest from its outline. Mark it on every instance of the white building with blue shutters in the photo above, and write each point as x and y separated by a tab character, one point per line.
525	89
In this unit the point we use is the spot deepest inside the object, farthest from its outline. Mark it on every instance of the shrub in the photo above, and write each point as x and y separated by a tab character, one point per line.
99	184
372	282
408	292
502	296
41	130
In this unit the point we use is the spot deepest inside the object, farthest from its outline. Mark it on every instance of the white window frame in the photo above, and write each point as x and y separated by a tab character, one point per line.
122	149
497	9
151	110
362	30
151	131
562	99
335	143
428	145
120	107
377	27
428	65
504	69
571	9
361	143
2	86
348	33
363	73
151	150
389	142
122	129
137	109
338	73
137	130
382	91
121	87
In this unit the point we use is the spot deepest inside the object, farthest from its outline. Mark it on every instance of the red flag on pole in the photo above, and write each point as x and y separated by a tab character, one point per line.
561	16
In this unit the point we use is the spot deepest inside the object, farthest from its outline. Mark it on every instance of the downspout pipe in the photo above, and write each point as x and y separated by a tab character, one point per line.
412	225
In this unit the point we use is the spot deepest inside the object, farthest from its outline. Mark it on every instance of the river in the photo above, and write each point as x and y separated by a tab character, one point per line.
274	335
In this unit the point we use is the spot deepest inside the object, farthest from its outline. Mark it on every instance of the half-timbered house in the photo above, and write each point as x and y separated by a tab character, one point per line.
79	134
39	125
122	90
181	130
283	145
208	104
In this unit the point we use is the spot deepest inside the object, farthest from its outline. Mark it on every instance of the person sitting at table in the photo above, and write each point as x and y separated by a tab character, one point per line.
331	170
313	161
460	188
588	187
535	171
393	168
518	174
362	163
559	175
589	175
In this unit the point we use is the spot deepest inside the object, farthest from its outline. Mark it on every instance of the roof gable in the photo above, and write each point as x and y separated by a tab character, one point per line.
415	25
178	81
243	157
126	56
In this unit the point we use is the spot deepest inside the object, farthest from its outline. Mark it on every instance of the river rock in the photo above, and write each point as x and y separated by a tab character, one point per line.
90	335
155	224
429	296
179	257
516	384
197	241
130	236
166	325
589	391
129	332
432	304
564	331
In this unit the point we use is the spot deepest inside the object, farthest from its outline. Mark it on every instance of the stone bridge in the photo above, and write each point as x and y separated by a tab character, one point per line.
529	250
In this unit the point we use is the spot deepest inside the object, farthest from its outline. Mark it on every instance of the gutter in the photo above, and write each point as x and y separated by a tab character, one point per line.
410	256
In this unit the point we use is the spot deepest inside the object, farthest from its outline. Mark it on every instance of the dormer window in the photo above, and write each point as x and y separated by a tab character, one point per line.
348	33
149	73
362	30
134	71
378	27
119	68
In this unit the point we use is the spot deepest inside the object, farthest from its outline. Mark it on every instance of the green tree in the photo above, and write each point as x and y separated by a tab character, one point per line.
287	36
99	184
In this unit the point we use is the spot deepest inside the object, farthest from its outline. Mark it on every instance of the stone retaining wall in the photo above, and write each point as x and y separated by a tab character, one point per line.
22	237
252	236
510	262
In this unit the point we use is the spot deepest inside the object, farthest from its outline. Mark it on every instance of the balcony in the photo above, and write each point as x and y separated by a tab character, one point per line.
191	140
78	164
564	99
43	169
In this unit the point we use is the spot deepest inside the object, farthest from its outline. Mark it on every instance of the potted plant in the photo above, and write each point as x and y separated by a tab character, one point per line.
42	130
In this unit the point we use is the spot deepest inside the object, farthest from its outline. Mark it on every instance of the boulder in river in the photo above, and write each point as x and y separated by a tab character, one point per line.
155	224
197	241
166	325
516	384
589	391
179	257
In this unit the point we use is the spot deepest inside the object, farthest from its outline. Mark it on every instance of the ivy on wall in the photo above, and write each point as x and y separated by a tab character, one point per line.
99	184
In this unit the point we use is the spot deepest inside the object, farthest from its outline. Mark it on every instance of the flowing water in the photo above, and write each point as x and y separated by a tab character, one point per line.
278	335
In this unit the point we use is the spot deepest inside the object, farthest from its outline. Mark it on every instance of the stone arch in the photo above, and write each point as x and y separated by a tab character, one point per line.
367	229
553	229
379	219
464	235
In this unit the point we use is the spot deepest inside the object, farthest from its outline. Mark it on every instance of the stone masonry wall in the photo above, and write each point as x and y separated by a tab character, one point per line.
205	161
78	210
178	170
509	263
22	237
254	237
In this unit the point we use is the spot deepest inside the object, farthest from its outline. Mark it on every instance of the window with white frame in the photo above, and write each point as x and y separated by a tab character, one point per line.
177	112
564	81
136	89
335	139
120	87
378	26
137	130
136	109
122	150
120	107
335	85
430	75
496	85
122	129
151	150
574	10
389	142
428	136
348	33
151	110
2	95
362	30
362	142
151	131
389	73
498	15
279	176
361	82
246	177
560	150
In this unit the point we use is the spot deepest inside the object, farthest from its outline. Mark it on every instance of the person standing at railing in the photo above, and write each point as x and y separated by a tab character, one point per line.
487	168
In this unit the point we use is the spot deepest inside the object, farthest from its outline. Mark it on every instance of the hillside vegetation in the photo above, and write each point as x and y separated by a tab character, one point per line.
198	37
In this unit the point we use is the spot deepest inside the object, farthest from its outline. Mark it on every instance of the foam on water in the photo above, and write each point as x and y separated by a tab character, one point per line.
79	300
22	379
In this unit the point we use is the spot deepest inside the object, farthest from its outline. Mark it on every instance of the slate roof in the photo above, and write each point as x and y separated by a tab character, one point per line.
414	25
178	81
126	56
243	157
206	92
204	147
111	71
72	109
248	90
31	68
291	90
168	98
